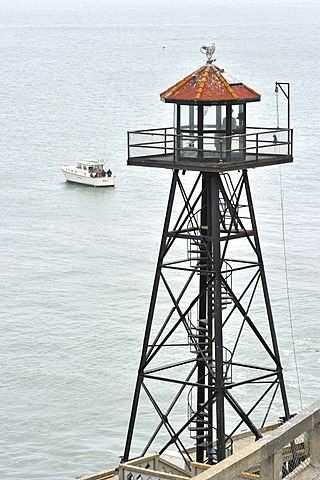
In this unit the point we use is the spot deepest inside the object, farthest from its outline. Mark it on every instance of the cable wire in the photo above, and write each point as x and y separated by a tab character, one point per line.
288	290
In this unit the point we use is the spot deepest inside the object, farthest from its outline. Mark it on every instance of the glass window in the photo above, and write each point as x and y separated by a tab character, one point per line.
188	119
209	118
213	117
241	118
238	123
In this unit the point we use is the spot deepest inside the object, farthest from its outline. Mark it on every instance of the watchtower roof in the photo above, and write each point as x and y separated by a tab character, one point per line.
209	85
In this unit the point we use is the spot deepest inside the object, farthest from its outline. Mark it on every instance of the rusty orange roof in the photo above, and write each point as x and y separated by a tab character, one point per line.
211	85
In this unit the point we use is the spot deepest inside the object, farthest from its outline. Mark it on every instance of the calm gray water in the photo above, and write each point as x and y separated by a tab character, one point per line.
77	264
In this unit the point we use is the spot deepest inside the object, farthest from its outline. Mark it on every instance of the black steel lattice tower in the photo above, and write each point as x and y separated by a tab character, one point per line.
210	331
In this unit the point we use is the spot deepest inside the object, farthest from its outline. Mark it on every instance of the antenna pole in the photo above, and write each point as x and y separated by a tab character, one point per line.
285	89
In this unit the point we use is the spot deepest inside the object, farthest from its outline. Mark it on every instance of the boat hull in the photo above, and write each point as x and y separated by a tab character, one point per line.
73	177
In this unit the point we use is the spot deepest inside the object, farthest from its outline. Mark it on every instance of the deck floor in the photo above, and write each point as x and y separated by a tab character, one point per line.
168	161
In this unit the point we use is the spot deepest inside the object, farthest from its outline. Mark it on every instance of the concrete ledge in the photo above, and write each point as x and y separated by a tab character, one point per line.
267	447
312	473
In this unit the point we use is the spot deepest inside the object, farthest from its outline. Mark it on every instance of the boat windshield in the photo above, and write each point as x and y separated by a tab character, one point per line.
96	168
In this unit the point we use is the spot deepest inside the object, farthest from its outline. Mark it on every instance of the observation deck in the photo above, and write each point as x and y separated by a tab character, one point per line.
165	148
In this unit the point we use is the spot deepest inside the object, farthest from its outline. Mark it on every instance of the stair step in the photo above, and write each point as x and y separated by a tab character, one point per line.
197	429
201	338
203	357
202	437
203	347
203	320
200	420
202	416
200	329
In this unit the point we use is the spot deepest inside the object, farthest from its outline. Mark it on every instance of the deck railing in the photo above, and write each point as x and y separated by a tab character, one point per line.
152	467
283	452
185	146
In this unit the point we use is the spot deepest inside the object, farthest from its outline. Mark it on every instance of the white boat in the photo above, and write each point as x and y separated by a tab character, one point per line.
93	173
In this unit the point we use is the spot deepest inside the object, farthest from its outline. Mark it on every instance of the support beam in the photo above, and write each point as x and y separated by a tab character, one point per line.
271	467
315	446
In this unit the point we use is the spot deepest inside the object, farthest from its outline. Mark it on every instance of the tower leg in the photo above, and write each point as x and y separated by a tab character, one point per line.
139	381
267	299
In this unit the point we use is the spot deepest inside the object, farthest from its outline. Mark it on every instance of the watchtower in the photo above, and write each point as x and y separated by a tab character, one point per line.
210	333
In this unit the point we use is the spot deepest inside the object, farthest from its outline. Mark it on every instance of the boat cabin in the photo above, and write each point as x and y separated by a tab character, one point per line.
90	167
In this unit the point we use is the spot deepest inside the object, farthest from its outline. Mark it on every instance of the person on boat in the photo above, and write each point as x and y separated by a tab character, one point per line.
109	173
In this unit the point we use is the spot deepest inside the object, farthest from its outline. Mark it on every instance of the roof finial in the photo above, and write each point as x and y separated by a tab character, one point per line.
209	51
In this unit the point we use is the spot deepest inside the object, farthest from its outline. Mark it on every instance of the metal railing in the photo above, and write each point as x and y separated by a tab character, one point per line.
257	142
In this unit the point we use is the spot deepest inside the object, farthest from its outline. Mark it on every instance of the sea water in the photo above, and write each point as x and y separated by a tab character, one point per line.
76	263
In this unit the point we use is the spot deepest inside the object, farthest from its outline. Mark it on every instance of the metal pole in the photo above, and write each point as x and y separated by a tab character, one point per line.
214	234
288	117
200	133
287	95
201	369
